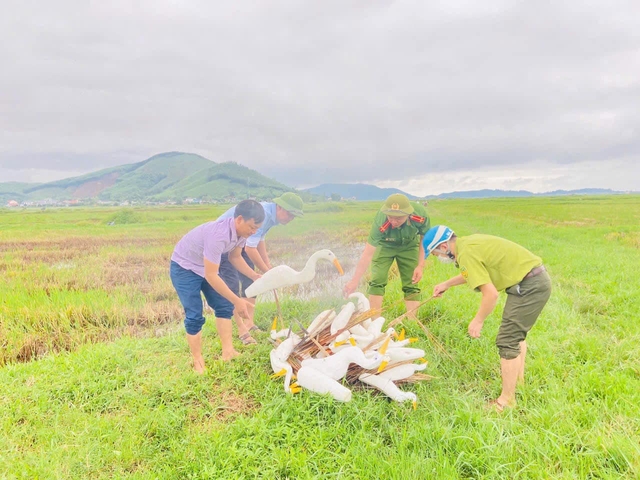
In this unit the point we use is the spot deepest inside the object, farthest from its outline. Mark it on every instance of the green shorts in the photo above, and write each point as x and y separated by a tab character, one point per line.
406	258
525	301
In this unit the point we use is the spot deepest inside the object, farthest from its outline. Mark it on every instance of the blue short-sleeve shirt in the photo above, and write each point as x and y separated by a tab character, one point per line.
270	220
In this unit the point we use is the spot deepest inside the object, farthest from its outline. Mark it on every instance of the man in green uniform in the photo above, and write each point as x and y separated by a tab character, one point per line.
396	234
491	264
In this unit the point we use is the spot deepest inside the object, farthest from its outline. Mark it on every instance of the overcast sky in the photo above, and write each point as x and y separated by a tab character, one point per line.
427	96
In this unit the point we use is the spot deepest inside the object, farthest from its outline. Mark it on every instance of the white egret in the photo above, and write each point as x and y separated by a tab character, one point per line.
342	318
319	321
279	364
322	375
284	276
390	389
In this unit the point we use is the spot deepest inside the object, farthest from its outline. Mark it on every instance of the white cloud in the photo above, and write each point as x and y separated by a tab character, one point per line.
323	92
36	175
539	177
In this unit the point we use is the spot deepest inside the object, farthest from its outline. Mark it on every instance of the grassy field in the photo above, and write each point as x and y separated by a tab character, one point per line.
96	377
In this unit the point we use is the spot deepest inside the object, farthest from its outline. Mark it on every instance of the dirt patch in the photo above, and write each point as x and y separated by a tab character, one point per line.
32	347
95	187
631	239
52	257
85	244
116	275
152	320
576	223
229	404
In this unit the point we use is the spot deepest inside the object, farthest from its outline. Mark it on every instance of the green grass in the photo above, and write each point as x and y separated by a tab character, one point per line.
119	400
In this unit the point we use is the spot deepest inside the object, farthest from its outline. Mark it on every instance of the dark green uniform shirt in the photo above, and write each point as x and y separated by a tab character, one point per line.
487	259
406	235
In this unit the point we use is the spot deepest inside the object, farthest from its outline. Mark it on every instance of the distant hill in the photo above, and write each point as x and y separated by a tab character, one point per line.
176	176
167	176
124	182
523	193
362	191
359	191
13	191
225	180
582	191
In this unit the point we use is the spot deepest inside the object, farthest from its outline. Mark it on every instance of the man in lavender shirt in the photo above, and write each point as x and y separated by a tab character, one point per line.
195	264
280	211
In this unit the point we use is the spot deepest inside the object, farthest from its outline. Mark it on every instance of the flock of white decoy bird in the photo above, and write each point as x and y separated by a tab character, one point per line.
339	349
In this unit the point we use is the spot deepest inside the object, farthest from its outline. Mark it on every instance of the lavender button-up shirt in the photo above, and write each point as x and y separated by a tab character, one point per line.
270	220
209	240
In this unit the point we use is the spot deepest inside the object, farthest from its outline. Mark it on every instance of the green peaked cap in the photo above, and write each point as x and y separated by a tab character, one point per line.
397	205
291	202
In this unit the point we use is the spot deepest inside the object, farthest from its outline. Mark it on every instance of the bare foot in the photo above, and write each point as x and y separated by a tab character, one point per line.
226	356
198	365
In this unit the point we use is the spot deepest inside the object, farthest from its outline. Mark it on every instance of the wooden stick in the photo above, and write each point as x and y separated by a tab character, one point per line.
322	348
404	315
382	338
436	343
434	340
278	310
321	324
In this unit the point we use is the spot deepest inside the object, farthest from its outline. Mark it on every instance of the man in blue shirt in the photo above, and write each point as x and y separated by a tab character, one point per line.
280	211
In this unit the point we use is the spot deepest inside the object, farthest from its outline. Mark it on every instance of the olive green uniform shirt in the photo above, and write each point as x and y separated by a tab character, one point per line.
404	236
487	259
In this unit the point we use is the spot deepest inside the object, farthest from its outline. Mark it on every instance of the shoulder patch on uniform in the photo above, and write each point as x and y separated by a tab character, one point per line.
417	218
464	272
385	226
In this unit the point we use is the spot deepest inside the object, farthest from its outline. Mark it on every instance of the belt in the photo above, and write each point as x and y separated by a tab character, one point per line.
535	271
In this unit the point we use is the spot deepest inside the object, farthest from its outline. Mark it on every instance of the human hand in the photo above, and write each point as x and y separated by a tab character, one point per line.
241	308
474	328
256	276
350	287
417	274
439	289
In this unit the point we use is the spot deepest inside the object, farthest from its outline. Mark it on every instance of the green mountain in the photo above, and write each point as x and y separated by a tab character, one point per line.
13	191
125	182
225	180
155	175
167	176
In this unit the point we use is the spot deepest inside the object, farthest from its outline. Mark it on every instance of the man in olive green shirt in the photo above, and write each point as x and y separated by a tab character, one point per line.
396	234
491	264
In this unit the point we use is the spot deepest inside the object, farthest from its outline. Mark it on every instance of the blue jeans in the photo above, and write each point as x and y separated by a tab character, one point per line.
188	285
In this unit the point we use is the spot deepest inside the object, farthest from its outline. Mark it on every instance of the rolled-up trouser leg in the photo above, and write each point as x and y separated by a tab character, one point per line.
380	264
222	307
188	286
407	260
525	301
